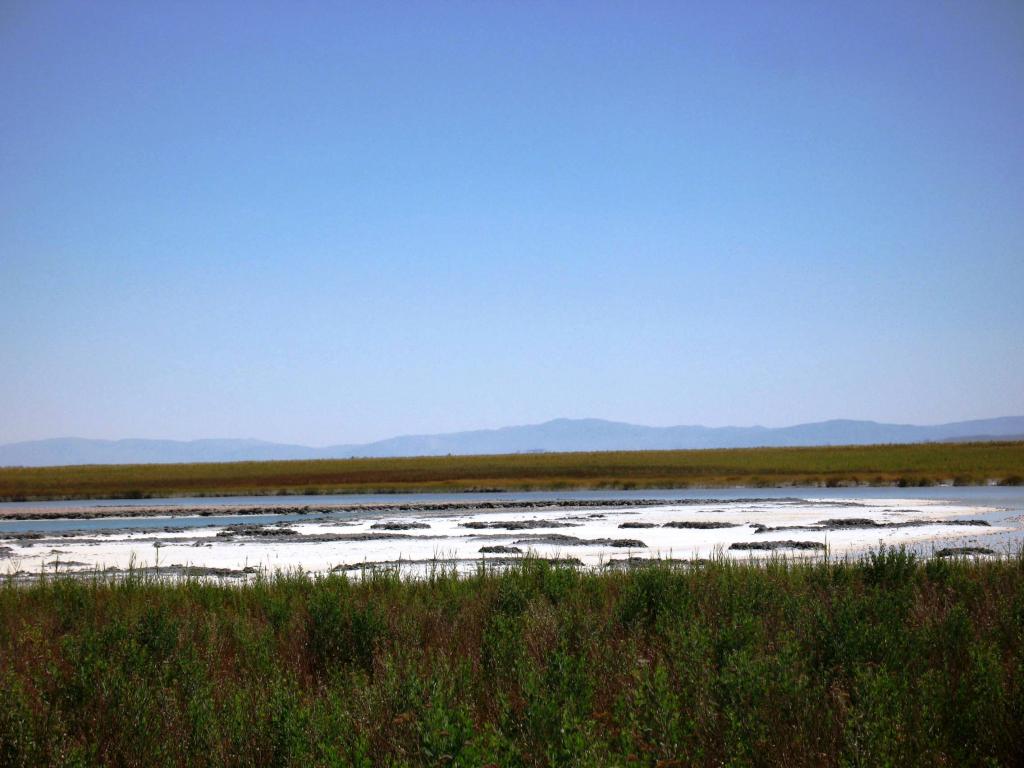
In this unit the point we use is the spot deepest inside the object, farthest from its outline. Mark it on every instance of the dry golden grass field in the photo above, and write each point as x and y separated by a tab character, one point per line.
920	464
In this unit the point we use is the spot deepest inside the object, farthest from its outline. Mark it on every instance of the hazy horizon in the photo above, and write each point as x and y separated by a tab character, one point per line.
337	443
330	443
321	225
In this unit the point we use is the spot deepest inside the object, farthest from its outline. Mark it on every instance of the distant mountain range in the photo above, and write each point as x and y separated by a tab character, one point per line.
557	435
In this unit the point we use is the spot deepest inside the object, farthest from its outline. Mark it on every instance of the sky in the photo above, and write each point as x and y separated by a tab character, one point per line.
336	222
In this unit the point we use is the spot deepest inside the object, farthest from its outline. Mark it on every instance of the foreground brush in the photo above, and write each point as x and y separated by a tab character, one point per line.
888	660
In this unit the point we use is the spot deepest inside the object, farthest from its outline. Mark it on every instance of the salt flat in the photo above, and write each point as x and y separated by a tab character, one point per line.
593	534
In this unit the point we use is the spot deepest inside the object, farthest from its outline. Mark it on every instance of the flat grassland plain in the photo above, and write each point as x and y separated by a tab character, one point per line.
920	464
884	661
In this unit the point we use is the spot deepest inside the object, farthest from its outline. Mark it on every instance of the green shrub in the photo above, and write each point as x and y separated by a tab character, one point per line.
889	660
341	632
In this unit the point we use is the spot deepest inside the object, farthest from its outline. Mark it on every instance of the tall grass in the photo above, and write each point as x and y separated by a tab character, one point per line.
885	661
907	465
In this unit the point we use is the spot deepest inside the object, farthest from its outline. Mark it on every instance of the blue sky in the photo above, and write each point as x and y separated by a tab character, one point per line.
338	222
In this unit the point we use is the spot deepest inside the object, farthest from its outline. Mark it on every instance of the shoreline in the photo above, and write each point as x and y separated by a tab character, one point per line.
555	489
64	507
370	508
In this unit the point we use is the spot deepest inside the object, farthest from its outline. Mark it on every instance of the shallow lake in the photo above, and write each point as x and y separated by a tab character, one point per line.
591	527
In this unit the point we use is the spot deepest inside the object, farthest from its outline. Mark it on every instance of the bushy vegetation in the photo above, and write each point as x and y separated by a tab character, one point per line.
904	465
885	661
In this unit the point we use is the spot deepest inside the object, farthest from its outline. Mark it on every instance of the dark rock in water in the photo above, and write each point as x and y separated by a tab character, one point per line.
628	563
23	535
517	525
699	525
361	536
773	545
511	562
256	530
625	563
558	539
855	523
837	524
368	566
964	551
291	535
638	525
552	538
6	552
824	525
500	549
398	525
177	570
392	565
197	570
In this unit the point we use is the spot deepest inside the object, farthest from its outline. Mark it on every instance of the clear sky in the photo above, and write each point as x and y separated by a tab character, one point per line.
335	222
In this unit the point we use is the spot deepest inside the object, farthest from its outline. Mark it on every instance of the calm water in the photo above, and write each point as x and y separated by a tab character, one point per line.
1009	501
971	494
